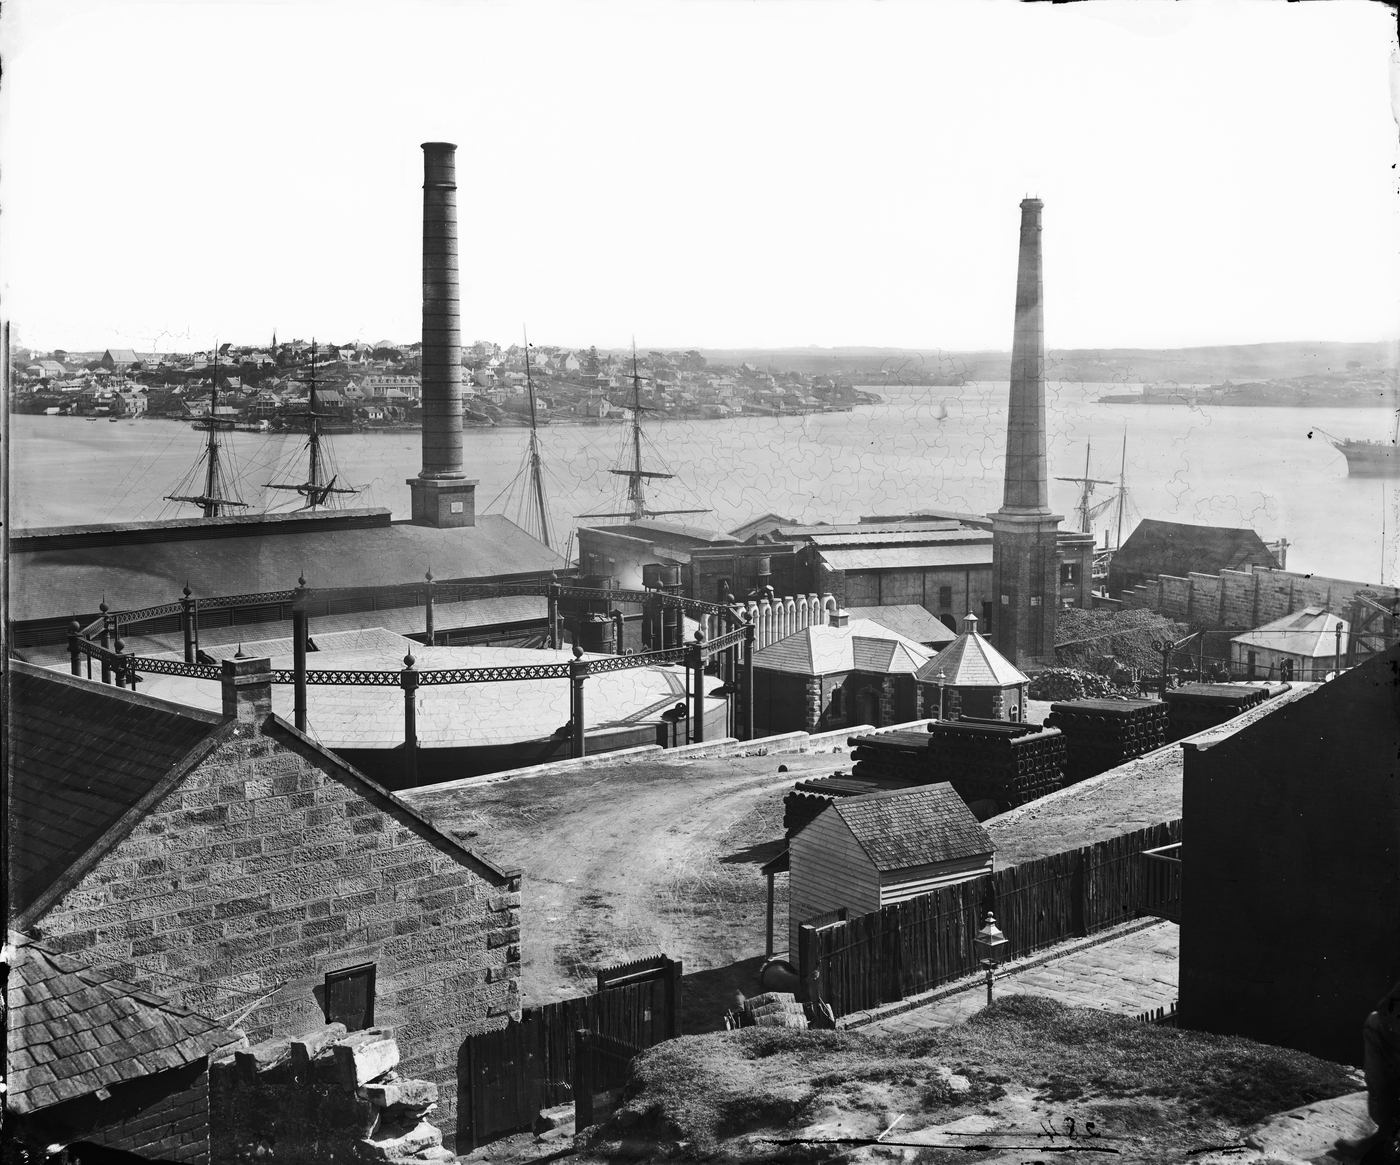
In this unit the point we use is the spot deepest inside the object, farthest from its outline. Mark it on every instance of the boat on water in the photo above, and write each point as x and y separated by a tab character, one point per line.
1370	458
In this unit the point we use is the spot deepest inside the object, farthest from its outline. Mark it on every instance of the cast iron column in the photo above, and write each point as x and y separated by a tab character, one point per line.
300	633
577	670
697	661
187	623
408	678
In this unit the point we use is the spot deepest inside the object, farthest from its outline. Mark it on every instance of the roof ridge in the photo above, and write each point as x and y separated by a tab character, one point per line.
130	696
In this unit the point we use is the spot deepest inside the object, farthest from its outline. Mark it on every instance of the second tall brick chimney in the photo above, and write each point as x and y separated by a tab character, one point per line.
443	496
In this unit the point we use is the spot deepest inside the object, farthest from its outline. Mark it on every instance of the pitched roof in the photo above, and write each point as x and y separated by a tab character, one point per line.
73	1029
1178	549
971	662
909	620
1311	632
82	755
901	828
862	645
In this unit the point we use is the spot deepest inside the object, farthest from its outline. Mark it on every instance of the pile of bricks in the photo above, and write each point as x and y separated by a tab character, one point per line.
322	1097
808	798
1103	734
1193	708
995	765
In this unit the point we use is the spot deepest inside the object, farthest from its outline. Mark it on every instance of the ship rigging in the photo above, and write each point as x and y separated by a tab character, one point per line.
532	510
219	494
316	489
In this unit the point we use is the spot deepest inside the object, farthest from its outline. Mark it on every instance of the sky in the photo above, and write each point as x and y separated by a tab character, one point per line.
699	174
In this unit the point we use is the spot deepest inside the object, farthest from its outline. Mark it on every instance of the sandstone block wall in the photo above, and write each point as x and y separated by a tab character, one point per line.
262	871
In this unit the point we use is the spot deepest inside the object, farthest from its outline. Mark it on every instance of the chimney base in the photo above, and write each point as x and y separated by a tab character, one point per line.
443	502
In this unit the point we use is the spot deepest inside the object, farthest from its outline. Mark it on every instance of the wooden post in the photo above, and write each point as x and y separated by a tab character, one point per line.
617	632
187	623
120	669
554	616
1338	670
428	615
409	680
300	634
105	639
583	1080
697	661
73	651
674	971
577	671
769	951
746	724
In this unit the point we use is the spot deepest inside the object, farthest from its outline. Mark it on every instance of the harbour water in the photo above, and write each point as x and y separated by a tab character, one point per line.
1219	466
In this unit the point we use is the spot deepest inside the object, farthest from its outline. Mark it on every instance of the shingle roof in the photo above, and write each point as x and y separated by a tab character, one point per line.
902	828
971	662
862	645
1311	633
73	1029
909	620
81	755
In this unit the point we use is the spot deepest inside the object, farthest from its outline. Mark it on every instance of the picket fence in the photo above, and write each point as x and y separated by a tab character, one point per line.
913	946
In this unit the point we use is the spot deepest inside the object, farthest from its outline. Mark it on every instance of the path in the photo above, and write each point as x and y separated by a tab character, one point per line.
1131	974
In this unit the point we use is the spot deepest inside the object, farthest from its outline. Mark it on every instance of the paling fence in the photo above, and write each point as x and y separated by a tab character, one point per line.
913	946
565	1052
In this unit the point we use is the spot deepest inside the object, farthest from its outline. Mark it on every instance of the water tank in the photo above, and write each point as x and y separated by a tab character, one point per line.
651	575
595	634
669	575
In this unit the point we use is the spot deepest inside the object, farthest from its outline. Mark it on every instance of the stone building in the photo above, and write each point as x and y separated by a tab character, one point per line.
1302	646
847	672
970	677
1180	549
235	866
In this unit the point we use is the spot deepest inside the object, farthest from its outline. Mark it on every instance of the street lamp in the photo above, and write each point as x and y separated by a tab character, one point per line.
940	678
993	946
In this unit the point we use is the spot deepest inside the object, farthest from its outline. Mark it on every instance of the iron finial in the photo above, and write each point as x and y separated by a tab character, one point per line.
408	660
102	606
578	651
187	588
239	653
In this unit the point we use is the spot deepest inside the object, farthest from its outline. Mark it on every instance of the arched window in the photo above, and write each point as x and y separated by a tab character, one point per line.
949	622
1013	714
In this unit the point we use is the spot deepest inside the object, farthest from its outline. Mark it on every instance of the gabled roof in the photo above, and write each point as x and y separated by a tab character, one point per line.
1311	632
971	662
903	828
862	645
909	620
73	1029
1178	549
81	759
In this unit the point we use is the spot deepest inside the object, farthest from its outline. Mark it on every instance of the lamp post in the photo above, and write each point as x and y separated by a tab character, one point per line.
993	946
940	677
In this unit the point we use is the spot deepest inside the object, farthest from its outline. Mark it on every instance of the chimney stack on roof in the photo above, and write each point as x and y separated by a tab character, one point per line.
443	496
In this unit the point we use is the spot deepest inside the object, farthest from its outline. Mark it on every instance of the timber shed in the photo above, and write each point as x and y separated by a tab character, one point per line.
861	853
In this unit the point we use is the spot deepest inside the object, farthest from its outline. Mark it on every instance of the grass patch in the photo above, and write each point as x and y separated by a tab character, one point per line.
703	1090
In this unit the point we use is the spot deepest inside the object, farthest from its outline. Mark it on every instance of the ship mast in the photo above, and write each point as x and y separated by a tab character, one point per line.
215	499
1088	483
313	489
637	476
1122	489
536	471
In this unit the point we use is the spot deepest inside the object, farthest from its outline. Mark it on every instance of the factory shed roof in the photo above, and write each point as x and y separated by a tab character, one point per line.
74	1029
894	525
902	828
79	761
862	645
959	554
899	537
909	620
652	528
1311	633
971	662
67	571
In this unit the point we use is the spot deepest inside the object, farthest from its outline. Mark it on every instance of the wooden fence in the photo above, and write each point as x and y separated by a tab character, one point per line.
507	1077
910	947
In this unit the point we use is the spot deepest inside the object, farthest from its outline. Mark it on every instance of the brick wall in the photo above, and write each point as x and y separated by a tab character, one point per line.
269	866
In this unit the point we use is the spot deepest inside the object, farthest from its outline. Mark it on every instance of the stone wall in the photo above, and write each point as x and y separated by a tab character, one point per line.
270	865
319	1098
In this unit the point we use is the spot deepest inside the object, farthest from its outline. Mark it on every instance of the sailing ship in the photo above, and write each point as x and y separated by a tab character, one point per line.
317	489
1370	458
1088	509
219	495
532	512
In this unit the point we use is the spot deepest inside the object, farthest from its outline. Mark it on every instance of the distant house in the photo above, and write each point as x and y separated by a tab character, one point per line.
51	369
755	528
1303	646
120	359
847	672
862	853
1177	549
570	363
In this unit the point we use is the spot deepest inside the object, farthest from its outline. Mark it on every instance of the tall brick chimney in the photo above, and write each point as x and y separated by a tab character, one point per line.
442	494
1025	569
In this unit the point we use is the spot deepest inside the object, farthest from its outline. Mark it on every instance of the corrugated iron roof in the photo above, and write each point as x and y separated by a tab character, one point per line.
902	536
1311	632
902	828
74	1029
862	645
81	754
971	662
910	557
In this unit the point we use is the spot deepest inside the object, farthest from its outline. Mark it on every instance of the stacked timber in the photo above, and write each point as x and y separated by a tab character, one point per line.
996	765
1193	708
901	756
808	798
1103	734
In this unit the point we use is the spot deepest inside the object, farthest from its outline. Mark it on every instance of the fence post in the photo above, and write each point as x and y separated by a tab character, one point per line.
132	678
673	996
617	631
120	669
697	661
105	639
583	1080
408	678
428	616
807	963
554	616
73	651
300	633
746	723
577	670
187	622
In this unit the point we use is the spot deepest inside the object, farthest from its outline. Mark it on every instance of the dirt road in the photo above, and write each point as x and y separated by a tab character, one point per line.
630	860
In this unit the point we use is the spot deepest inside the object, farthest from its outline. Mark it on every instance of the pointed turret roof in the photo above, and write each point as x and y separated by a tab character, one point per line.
971	662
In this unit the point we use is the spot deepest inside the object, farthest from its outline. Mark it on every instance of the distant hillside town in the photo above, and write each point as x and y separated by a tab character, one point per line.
380	384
